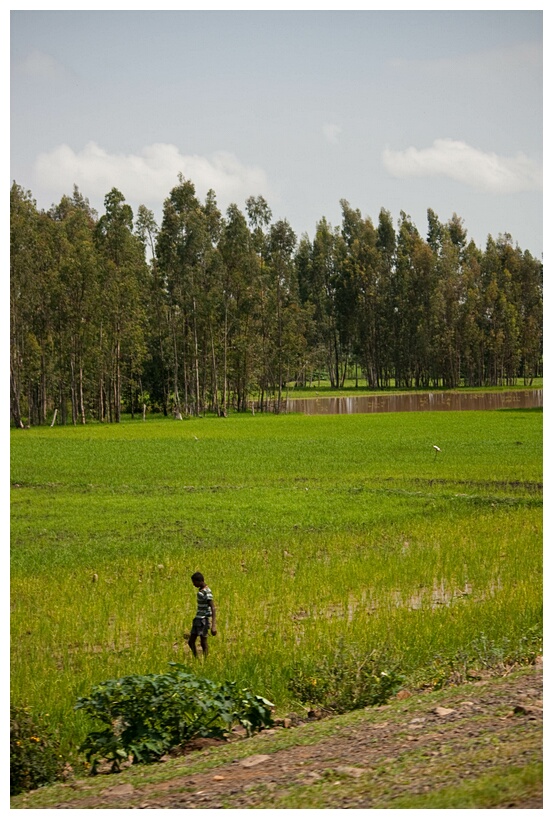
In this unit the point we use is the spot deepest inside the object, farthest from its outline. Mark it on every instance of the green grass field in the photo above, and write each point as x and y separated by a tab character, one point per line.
321	387
311	530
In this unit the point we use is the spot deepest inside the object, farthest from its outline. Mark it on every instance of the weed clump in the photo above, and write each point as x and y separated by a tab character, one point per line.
35	758
343	681
482	656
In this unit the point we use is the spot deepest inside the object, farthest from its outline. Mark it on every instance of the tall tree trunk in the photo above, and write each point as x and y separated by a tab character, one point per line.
225	352
73	389
15	404
196	358
81	395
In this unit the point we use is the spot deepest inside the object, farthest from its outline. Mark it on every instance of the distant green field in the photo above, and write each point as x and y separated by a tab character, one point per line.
321	386
309	530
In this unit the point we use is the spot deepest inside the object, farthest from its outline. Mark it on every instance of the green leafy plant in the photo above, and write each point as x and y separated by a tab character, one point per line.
35	757
482	655
146	716
343	681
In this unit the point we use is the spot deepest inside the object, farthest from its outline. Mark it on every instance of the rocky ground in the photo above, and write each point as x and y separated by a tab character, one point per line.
417	745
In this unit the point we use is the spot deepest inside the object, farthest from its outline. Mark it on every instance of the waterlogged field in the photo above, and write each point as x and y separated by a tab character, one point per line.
314	532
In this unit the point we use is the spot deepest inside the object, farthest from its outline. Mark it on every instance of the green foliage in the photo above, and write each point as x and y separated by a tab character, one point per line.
343	681
35	757
95	322
482	654
146	716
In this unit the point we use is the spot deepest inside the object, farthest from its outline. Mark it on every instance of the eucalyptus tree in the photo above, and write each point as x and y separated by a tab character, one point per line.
174	258
529	278
386	244
188	263
24	220
33	276
358	298
78	300
241	302
448	244
210	262
502	351
324	276
123	279
314	361
259	218
286	321
405	309
156	382
471	324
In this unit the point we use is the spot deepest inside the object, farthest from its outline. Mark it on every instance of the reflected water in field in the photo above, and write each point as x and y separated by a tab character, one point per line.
416	402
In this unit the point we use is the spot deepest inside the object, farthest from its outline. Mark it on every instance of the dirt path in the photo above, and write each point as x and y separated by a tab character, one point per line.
371	759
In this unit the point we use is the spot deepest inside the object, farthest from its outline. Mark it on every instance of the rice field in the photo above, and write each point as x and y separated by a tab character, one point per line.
312	531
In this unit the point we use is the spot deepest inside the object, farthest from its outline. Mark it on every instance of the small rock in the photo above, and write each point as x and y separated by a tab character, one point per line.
218	778
256	759
410	738
443	712
349	770
528	709
417	720
467	702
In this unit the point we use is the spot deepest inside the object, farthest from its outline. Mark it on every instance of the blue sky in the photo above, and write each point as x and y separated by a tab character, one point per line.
403	110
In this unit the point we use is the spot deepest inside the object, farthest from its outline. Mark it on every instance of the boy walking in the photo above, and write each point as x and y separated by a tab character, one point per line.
205	615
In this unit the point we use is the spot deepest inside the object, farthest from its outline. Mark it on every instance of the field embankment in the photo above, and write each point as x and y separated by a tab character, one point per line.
473	746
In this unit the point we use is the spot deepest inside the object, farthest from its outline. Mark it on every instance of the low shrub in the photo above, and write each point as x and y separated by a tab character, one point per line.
35	758
147	716
481	655
343	681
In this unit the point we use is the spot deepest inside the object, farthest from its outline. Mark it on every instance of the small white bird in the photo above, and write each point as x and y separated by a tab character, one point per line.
436	450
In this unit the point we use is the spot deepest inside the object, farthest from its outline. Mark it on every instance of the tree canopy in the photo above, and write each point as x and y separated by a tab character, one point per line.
209	312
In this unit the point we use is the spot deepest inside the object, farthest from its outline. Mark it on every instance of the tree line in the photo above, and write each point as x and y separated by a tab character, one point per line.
209	312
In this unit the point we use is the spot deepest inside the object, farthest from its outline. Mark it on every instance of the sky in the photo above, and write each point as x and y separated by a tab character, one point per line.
402	110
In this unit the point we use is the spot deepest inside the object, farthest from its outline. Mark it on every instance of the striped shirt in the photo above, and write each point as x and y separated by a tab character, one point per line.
205	596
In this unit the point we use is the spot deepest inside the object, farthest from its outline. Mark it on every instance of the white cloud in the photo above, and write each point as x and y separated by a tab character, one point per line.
457	160
148	176
38	65
332	132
